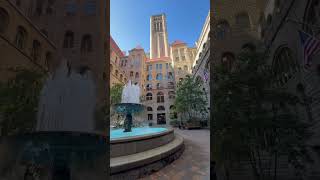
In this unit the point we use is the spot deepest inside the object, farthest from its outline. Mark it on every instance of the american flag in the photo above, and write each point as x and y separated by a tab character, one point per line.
205	74
310	46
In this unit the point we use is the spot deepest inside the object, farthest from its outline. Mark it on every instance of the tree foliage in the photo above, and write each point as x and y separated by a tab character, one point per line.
116	93
256	121
190	98
19	99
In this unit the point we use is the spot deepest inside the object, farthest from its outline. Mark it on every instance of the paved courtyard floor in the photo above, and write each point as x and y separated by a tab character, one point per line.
194	163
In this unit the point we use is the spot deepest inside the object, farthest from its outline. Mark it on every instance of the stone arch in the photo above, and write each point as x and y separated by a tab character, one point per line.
149	96
86	43
160	97
161	108
221	29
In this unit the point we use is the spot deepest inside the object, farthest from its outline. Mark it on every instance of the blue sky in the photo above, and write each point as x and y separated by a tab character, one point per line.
130	20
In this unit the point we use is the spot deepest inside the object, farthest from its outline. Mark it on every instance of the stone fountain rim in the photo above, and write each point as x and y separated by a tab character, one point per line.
141	137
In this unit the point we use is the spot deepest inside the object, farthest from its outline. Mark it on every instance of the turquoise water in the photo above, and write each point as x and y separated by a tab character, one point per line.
118	133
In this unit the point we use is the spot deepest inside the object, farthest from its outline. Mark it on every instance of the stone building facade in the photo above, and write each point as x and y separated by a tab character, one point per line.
84	47
274	25
182	59
118	74
158	71
280	24
201	64
234	26
159	90
135	66
22	44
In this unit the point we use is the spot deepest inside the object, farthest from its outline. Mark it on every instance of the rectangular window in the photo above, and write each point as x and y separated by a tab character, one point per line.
160	66
70	9
90	8
150	117
167	66
149	68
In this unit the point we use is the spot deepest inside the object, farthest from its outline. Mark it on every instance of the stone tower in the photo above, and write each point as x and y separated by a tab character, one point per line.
159	46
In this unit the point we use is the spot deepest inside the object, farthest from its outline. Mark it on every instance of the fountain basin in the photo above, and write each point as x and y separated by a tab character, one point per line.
139	140
125	108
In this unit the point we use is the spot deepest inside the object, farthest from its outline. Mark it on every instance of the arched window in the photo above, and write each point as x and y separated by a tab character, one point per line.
21	37
149	77
159	76
227	60
86	43
149	108
111	68
185	67
117	72
149	96
48	59
221	30
249	47
137	75
159	86
161	108
149	87
131	73
36	50
312	18
160	97
4	20
170	76
121	77
170	85
242	20
68	39
277	6
269	19
171	94
284	65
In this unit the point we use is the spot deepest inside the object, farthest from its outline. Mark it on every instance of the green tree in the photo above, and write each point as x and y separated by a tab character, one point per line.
19	99
256	121
116	93
115	97
190	98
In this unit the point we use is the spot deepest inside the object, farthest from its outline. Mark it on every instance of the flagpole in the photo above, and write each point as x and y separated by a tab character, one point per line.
302	89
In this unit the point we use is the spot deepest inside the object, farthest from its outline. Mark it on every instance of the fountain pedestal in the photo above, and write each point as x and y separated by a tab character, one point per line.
128	123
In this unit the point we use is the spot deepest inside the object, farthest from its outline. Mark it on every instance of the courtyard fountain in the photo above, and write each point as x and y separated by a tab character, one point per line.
130	104
64	141
160	144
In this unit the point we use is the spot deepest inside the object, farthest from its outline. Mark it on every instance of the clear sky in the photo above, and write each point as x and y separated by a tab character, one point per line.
130	20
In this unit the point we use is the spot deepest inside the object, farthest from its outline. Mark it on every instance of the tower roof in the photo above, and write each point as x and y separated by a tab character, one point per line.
177	42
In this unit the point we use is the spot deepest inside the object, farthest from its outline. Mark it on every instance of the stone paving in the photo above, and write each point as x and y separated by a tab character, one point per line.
194	163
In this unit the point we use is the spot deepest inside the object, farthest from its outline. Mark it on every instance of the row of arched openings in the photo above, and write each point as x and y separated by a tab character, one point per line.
21	39
86	42
222	28
160	96
160	108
